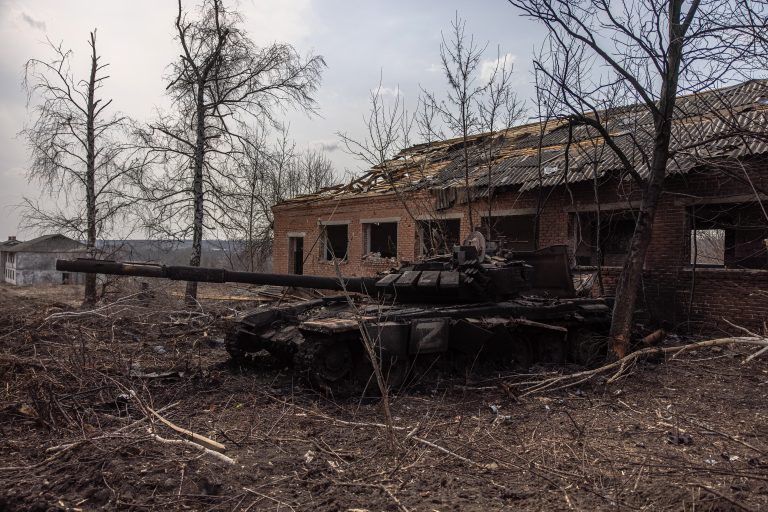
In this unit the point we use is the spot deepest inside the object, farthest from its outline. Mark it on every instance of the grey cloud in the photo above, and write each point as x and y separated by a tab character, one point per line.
326	145
32	22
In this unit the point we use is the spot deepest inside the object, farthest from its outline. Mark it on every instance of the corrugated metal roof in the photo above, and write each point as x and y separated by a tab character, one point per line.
723	123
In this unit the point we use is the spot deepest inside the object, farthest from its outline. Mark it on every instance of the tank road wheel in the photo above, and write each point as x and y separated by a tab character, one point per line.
325	361
394	369
233	344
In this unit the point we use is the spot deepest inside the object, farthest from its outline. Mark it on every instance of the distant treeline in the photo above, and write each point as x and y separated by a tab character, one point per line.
216	253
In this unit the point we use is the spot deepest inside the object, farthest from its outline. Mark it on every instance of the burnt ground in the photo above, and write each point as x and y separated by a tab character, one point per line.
687	433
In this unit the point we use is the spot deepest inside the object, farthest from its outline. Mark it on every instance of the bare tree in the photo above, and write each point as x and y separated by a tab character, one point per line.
221	81
498	111
479	99
645	52
79	150
461	58
387	133
384	149
267	175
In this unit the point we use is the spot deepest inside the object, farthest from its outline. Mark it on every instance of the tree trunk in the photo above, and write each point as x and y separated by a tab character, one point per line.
466	173
190	296
90	174
628	285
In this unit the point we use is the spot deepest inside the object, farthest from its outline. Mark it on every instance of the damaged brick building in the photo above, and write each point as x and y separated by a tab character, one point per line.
550	183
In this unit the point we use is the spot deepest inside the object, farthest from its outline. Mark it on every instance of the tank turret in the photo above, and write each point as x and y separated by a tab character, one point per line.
472	273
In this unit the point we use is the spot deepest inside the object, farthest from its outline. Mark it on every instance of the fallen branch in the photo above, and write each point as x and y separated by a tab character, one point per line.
205	450
756	354
410	436
56	455
203	441
752	334
620	366
68	314
191	436
449	452
141	420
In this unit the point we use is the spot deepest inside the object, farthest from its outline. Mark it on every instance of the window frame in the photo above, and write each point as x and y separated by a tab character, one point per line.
327	256
420	225
597	256
368	237
733	218
485	221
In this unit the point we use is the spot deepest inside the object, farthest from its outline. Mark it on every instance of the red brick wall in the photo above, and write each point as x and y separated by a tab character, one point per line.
737	295
305	218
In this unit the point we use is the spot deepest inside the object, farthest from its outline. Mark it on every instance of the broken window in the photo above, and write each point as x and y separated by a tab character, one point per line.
438	236
728	235
335	242
708	247
381	239
514	232
296	255
601	240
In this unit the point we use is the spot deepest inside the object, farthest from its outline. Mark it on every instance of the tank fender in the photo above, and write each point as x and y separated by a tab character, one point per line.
266	315
262	318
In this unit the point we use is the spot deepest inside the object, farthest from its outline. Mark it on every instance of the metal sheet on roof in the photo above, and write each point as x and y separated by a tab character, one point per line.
724	123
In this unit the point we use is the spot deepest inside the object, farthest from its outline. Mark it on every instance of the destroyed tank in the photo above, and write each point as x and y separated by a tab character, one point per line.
479	305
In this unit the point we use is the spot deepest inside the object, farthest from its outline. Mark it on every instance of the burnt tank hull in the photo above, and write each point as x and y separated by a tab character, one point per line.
323	338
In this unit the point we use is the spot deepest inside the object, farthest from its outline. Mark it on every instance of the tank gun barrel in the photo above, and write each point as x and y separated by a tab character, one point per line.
215	275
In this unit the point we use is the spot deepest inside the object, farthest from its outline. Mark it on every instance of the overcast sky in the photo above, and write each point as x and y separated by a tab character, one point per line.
360	41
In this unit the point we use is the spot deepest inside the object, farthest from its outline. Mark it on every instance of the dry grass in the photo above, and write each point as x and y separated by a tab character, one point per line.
689	433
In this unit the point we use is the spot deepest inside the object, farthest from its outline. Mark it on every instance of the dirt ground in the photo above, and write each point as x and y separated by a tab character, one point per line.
688	433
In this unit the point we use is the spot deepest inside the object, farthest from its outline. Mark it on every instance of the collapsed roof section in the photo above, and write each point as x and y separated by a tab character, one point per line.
719	124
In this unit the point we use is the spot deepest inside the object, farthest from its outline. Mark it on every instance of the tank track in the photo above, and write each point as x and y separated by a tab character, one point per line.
326	363
304	360
232	344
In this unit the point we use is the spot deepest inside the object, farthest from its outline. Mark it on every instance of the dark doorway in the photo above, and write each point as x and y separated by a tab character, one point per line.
296	255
